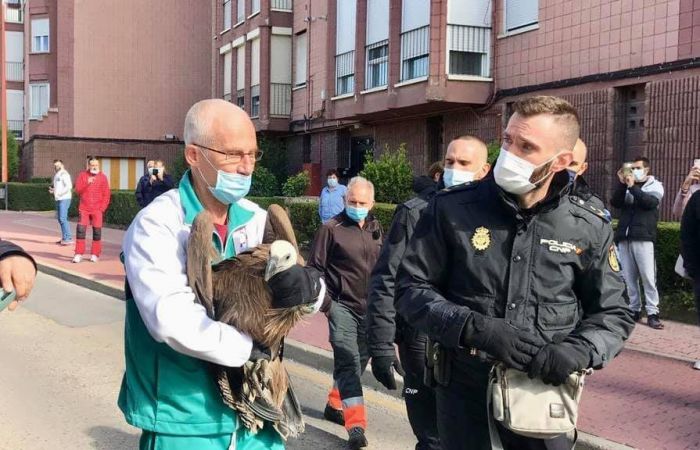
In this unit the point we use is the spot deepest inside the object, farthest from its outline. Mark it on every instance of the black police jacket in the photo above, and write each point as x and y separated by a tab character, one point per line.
382	323
551	269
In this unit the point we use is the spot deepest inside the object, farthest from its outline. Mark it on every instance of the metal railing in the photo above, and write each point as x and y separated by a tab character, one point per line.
469	49
255	101
14	15
14	71
240	98
415	49
345	73
280	99
227	97
285	5
377	57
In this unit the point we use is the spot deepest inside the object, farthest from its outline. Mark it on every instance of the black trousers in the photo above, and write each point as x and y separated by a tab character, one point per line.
420	399
696	286
462	419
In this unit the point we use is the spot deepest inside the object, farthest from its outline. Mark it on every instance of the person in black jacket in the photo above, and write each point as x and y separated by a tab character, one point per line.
17	272
154	183
511	269
638	197
690	247
467	157
345	249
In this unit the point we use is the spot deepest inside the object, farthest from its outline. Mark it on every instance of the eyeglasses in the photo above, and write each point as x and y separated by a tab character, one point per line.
235	157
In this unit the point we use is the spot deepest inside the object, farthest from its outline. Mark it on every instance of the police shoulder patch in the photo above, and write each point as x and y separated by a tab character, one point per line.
591	208
481	239
612	259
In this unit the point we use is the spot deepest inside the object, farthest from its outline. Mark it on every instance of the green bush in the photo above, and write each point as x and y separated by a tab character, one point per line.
179	167
296	185
274	157
265	202
305	219
29	197
264	183
12	157
122	208
41	180
494	148
391	175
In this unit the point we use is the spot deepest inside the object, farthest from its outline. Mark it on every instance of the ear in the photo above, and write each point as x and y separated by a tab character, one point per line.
584	168
484	170
192	155
562	161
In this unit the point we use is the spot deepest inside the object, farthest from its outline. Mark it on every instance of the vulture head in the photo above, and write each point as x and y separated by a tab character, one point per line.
283	256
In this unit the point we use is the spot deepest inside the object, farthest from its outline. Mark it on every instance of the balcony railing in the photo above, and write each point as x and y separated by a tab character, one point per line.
415	48
345	73
285	5
227	97
255	101
240	98
17	128
469	50
280	99
13	15
14	71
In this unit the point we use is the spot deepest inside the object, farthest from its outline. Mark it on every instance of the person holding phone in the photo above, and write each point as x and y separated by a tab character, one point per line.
17	274
154	183
691	184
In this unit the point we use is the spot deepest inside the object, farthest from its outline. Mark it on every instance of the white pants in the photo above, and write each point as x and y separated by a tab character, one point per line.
638	263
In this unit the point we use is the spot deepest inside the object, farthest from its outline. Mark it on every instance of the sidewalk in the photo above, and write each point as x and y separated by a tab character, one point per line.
648	397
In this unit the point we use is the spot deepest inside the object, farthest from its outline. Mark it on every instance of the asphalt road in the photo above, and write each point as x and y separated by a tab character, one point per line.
61	364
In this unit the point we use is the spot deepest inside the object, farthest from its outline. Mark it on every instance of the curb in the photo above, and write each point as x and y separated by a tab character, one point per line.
93	285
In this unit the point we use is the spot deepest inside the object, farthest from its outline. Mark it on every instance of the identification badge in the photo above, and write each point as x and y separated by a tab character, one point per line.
240	240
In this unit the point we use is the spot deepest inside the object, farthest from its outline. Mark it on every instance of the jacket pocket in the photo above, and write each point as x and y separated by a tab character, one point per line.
557	316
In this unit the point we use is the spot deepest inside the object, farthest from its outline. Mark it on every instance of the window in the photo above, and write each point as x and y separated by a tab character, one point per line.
280	75
284	5
40	35
39	100
227	14
255	101
345	46
227	76
240	11
469	38
415	39
300	59
520	14
377	44
255	78
240	76
377	64
255	7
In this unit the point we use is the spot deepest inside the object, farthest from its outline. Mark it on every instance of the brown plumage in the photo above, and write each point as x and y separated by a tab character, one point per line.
235	292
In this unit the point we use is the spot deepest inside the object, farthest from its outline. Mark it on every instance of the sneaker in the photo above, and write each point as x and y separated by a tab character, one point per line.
333	415
59	242
356	438
696	366
94	258
68	242
654	322
637	316
77	258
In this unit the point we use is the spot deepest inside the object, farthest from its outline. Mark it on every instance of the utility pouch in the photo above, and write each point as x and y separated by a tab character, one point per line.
442	364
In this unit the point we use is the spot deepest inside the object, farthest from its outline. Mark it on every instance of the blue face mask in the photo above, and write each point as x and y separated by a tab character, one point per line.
230	187
356	214
453	177
332	182
638	174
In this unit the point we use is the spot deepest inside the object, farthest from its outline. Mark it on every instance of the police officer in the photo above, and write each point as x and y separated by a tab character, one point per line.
514	269
465	161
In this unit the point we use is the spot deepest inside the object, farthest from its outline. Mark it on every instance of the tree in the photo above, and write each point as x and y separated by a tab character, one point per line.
296	185
391	175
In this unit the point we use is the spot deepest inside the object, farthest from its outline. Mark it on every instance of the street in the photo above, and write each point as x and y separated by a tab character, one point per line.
61	367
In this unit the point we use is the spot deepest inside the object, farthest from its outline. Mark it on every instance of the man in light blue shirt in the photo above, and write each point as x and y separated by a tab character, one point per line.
332	200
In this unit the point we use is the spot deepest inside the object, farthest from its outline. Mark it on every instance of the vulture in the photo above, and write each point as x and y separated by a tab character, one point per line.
236	291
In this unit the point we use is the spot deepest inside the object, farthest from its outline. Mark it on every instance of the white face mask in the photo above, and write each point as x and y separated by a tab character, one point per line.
638	174
453	177
513	174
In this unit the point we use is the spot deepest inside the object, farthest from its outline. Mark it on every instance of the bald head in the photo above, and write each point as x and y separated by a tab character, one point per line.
468	153
579	164
208	121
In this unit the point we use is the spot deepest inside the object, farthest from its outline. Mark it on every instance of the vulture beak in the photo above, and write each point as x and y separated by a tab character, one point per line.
271	268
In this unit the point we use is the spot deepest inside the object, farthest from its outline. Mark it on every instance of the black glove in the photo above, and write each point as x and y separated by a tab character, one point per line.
260	351
505	343
295	286
556	361
383	370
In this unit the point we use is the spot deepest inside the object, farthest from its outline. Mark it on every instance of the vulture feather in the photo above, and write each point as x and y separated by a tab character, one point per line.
235	291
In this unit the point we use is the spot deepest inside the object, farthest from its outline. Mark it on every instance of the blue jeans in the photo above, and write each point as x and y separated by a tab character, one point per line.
62	215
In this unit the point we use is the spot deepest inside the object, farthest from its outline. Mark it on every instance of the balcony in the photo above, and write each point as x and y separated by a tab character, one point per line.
280	100
14	71
13	15
415	50
469	51
283	5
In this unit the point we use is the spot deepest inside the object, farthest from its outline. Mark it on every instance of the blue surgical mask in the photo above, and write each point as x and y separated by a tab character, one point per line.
638	174
230	187
453	177
356	214
332	182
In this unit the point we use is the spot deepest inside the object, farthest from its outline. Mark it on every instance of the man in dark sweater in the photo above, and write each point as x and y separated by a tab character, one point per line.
690	247
345	249
638	197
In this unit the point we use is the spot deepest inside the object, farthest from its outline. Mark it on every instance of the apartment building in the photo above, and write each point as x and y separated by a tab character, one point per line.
369	73
107	79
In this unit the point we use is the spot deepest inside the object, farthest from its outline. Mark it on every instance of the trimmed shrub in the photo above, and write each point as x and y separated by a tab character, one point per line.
122	208
494	148
40	180
29	197
265	202
305	219
264	183
391	175
12	157
296	185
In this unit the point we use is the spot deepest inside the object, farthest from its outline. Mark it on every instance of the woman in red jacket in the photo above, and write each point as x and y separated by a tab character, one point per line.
93	188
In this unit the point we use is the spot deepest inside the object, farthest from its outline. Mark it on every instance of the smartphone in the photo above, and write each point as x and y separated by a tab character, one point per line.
155	171
696	163
627	168
6	298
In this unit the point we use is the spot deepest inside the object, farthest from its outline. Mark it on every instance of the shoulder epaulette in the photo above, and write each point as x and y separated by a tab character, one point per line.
590	207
